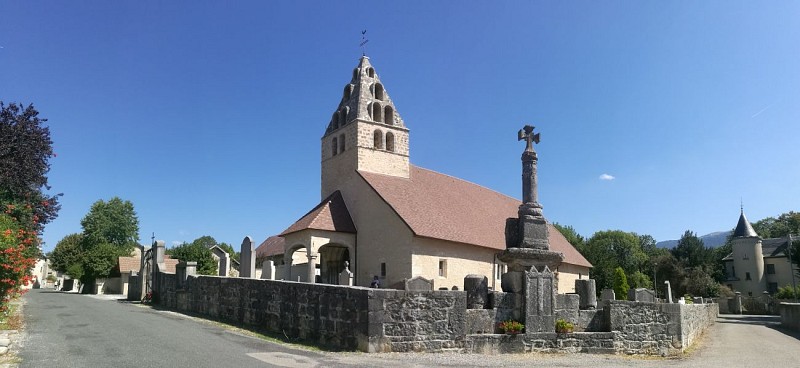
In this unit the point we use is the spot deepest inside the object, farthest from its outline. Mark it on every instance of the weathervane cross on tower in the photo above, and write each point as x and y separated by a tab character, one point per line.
526	133
363	43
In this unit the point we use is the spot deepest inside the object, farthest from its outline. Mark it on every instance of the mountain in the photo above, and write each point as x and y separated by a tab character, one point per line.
712	240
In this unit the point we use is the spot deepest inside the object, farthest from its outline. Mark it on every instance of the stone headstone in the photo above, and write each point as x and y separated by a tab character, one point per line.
248	257
418	283
346	277
697	300
477	288
268	270
607	294
540	301
587	291
641	295
224	263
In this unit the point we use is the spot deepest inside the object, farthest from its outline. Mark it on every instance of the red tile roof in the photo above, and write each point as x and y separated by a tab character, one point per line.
273	245
128	264
439	206
331	214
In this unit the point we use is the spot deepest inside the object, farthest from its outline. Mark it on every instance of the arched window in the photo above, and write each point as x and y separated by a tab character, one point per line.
355	74
378	139
378	91
341	143
335	121
390	142
371	72
334	146
347	90
388	115
343	115
376	112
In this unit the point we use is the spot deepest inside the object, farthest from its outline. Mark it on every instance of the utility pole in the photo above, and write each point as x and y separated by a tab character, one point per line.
791	266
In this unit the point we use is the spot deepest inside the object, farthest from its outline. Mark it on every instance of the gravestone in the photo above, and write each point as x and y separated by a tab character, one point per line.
477	288
585	288
568	301
418	283
697	300
641	295
607	294
248	257
267	270
182	272
346	277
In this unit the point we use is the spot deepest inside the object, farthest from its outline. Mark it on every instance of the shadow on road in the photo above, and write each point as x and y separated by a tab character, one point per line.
772	322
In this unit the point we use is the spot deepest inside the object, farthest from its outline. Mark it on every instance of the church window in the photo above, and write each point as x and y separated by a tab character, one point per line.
371	72
376	112
378	139
378	91
355	74
770	269
772	287
747	276
347	90
341	143
334	146
733	271
383	269
443	268
390	142
388	115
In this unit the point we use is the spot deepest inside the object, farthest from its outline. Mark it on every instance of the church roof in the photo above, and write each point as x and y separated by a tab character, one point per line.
331	215
743	228
273	245
364	98
439	206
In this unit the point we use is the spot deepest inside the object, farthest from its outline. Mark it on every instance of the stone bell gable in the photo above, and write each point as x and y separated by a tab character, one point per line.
365	133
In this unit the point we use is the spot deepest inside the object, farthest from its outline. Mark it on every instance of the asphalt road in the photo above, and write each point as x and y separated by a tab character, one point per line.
70	330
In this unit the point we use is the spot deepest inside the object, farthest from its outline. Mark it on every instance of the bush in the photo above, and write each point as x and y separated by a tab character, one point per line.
620	284
787	292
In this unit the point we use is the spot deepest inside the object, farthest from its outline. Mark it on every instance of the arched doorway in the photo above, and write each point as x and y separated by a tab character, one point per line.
332	262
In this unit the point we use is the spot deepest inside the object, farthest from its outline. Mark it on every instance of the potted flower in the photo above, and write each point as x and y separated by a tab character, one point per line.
511	327
562	326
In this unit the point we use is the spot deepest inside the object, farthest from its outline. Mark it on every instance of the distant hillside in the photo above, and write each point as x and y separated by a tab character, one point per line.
710	240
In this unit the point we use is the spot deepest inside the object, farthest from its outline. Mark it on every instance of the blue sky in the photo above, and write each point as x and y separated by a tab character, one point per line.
208	115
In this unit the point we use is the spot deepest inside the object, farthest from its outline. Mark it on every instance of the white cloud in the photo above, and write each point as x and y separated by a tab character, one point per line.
606	177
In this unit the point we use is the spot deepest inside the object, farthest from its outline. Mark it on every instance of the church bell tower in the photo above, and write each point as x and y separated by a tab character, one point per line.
365	133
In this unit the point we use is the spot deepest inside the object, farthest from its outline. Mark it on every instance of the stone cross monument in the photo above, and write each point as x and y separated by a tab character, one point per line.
529	278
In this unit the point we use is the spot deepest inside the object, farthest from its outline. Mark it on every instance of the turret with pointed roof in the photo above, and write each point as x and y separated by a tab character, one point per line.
743	228
365	133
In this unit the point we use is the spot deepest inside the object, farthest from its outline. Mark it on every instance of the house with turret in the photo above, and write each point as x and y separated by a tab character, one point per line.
757	265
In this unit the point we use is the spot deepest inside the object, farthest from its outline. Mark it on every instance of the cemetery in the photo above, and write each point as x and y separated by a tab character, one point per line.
528	315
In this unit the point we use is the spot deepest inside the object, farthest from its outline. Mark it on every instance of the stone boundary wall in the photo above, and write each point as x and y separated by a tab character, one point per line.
790	315
385	320
343	317
658	328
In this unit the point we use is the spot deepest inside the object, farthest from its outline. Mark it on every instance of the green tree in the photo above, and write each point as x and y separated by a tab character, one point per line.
698	282
68	252
571	235
195	252
607	250
620	284
691	251
110	230
113	222
640	280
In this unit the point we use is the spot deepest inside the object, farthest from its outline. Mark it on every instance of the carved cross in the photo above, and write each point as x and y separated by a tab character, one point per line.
526	133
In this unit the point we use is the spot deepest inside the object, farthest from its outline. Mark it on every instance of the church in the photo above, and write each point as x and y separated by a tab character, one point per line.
382	217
